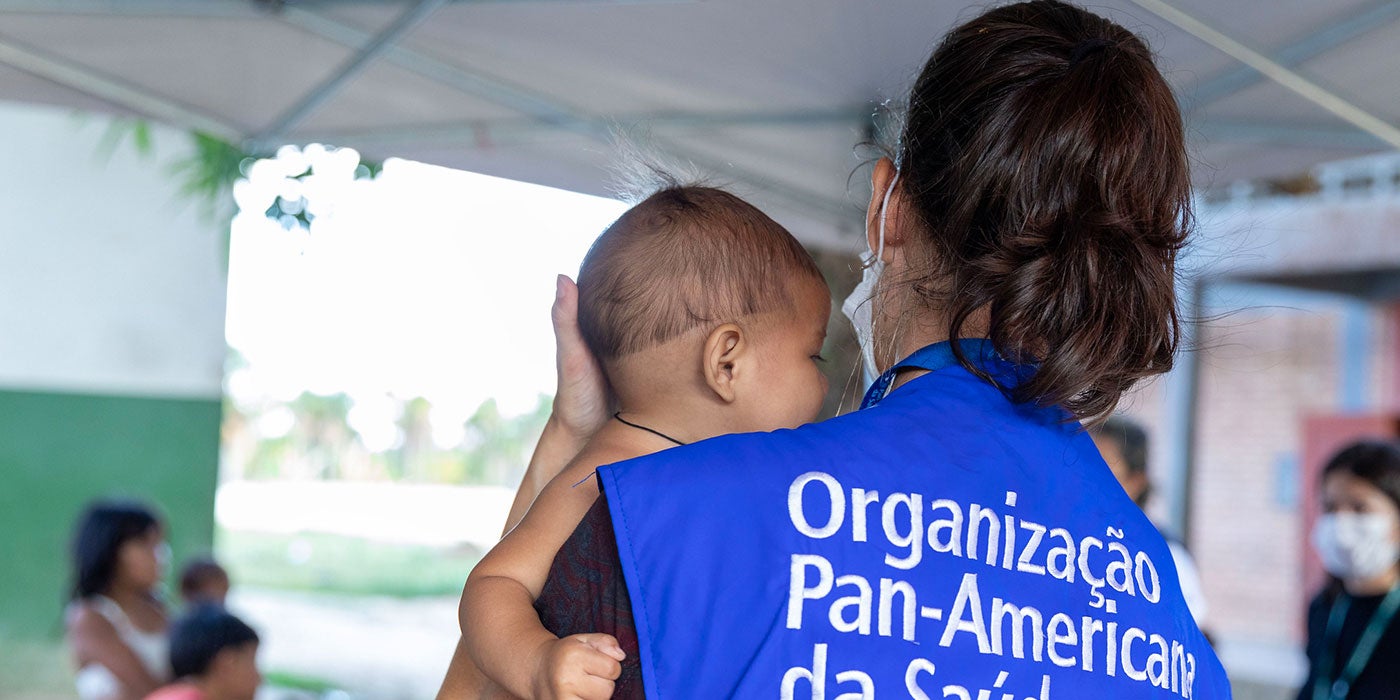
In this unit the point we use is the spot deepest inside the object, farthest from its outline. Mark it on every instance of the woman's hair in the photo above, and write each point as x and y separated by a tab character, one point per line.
1374	461
102	530
1043	156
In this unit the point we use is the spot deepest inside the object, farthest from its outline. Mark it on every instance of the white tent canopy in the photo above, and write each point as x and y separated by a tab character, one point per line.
771	95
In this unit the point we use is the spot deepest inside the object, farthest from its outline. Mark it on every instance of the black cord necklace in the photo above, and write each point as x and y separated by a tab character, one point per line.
657	433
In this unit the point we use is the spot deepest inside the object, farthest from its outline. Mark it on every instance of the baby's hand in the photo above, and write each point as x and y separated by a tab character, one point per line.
580	667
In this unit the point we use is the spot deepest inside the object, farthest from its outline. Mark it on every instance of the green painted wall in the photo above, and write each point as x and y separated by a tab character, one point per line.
59	451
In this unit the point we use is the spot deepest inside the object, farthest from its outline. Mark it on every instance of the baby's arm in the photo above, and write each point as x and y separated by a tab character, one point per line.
501	629
557	447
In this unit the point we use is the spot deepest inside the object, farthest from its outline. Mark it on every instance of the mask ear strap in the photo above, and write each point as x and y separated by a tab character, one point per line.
884	209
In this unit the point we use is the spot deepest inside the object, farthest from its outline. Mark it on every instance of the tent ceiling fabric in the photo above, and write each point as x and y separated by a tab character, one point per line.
770	95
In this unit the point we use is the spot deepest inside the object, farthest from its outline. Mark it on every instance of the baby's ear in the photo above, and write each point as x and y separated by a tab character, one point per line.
726	348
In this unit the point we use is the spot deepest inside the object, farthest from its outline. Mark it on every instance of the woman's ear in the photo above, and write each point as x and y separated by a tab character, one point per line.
725	348
882	179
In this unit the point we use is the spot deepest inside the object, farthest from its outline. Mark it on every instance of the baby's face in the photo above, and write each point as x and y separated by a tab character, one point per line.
791	383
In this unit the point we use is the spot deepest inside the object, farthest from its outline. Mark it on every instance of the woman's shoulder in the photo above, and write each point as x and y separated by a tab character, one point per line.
89	619
87	612
99	614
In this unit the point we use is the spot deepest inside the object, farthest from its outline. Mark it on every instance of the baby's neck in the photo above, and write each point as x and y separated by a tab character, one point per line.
662	428
662	390
641	431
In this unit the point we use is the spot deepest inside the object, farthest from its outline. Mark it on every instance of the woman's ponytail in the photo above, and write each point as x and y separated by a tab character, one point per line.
1045	159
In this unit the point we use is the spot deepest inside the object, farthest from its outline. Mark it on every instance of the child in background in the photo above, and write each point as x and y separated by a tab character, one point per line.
214	657
203	581
708	318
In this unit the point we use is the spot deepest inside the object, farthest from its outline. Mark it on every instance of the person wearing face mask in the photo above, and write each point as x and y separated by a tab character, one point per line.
960	535
1353	636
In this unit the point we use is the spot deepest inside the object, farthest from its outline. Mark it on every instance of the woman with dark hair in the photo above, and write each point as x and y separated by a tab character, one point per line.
1353	636
116	623
959	536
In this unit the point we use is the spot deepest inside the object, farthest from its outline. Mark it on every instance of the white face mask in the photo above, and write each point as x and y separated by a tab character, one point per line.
1356	545
858	307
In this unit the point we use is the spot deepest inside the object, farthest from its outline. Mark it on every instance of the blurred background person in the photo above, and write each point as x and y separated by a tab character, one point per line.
1123	444
1353	640
116	622
213	655
203	580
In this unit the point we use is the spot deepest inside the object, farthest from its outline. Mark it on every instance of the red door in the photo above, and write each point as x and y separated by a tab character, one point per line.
1324	436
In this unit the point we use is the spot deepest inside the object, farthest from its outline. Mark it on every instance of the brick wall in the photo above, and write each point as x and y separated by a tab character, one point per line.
1262	371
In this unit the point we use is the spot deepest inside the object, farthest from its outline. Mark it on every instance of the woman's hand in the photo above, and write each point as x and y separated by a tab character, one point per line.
581	402
580	667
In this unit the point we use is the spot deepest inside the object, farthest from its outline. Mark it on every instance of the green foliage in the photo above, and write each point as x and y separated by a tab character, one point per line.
322	444
297	681
137	131
270	458
326	563
208	174
368	169
416	447
317	445
496	448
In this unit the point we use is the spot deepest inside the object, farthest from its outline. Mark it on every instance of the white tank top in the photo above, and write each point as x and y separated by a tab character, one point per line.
95	681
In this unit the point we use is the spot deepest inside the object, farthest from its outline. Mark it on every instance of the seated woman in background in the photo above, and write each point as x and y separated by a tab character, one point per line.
116	624
1353	636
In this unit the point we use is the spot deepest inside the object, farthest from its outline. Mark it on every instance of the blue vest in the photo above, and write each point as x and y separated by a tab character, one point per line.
941	543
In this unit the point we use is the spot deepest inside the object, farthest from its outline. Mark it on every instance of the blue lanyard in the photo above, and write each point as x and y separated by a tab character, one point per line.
932	358
1337	687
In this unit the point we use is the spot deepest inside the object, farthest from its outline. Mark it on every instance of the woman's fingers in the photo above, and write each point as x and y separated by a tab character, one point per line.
581	401
564	314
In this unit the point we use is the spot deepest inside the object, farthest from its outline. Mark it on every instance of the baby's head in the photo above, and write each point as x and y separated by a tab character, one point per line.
695	298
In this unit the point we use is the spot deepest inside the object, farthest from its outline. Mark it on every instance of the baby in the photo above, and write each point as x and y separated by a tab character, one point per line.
707	318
